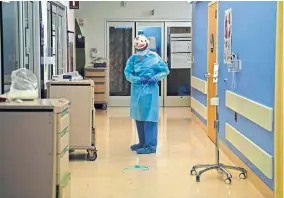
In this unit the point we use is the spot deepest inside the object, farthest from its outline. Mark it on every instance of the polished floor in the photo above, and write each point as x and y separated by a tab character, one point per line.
181	144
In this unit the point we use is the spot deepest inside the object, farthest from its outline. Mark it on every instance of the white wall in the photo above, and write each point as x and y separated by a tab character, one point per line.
95	13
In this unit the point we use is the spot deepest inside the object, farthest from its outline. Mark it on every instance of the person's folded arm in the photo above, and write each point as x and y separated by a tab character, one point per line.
163	70
129	72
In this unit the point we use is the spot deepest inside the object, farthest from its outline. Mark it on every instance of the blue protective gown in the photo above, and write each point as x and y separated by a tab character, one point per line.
144	100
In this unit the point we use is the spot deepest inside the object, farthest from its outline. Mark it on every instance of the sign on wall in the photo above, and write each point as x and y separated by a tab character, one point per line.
228	36
74	5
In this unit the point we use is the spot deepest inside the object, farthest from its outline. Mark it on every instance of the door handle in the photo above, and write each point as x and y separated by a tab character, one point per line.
207	75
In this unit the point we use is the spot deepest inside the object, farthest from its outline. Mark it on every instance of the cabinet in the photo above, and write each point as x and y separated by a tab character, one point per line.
98	75
34	148
82	112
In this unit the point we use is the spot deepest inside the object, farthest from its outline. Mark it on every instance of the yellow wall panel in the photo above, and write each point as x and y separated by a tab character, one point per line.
256	112
199	84
256	155
199	108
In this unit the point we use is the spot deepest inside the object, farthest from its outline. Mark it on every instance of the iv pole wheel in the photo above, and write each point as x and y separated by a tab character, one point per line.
228	181
193	172
242	175
219	171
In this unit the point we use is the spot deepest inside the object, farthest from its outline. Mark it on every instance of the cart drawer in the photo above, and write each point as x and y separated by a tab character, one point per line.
100	97
99	79
62	164
95	73
62	140
63	121
99	88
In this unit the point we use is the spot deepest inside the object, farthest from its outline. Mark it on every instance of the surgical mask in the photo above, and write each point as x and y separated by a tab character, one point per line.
142	53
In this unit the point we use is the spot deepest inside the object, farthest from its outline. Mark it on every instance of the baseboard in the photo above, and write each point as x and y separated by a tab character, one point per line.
199	122
252	177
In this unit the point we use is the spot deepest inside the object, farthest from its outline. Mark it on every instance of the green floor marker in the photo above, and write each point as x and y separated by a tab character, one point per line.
144	168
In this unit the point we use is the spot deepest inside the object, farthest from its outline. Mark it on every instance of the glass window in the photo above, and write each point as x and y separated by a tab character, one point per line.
28	35
11	50
118	55
178	81
19	36
70	51
60	67
54	44
57	34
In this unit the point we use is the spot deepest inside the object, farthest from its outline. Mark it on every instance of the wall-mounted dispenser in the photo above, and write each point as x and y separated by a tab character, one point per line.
236	63
93	52
234	66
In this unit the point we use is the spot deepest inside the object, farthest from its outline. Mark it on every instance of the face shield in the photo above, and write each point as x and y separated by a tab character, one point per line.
141	43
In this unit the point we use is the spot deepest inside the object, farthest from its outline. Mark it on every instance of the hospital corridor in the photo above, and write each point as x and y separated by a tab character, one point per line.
144	99
181	142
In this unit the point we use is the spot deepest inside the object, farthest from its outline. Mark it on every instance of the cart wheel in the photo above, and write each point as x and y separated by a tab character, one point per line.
92	155
242	175
71	150
228	181
104	106
197	178
193	172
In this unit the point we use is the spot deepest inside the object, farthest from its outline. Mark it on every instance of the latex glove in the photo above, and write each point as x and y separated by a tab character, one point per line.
152	80
144	81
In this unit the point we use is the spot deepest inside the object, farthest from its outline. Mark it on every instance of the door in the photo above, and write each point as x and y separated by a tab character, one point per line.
211	59
28	35
21	43
154	31
178	56
31	38
56	39
120	36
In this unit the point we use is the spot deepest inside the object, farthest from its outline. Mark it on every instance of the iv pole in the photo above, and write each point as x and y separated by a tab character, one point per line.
221	168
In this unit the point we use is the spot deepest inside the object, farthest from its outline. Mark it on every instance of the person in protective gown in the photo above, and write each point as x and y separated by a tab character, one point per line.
143	70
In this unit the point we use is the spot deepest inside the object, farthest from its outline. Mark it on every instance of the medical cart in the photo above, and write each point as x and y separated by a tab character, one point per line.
82	112
98	75
34	145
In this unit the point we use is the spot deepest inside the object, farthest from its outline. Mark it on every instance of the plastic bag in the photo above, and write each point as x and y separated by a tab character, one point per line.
24	85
